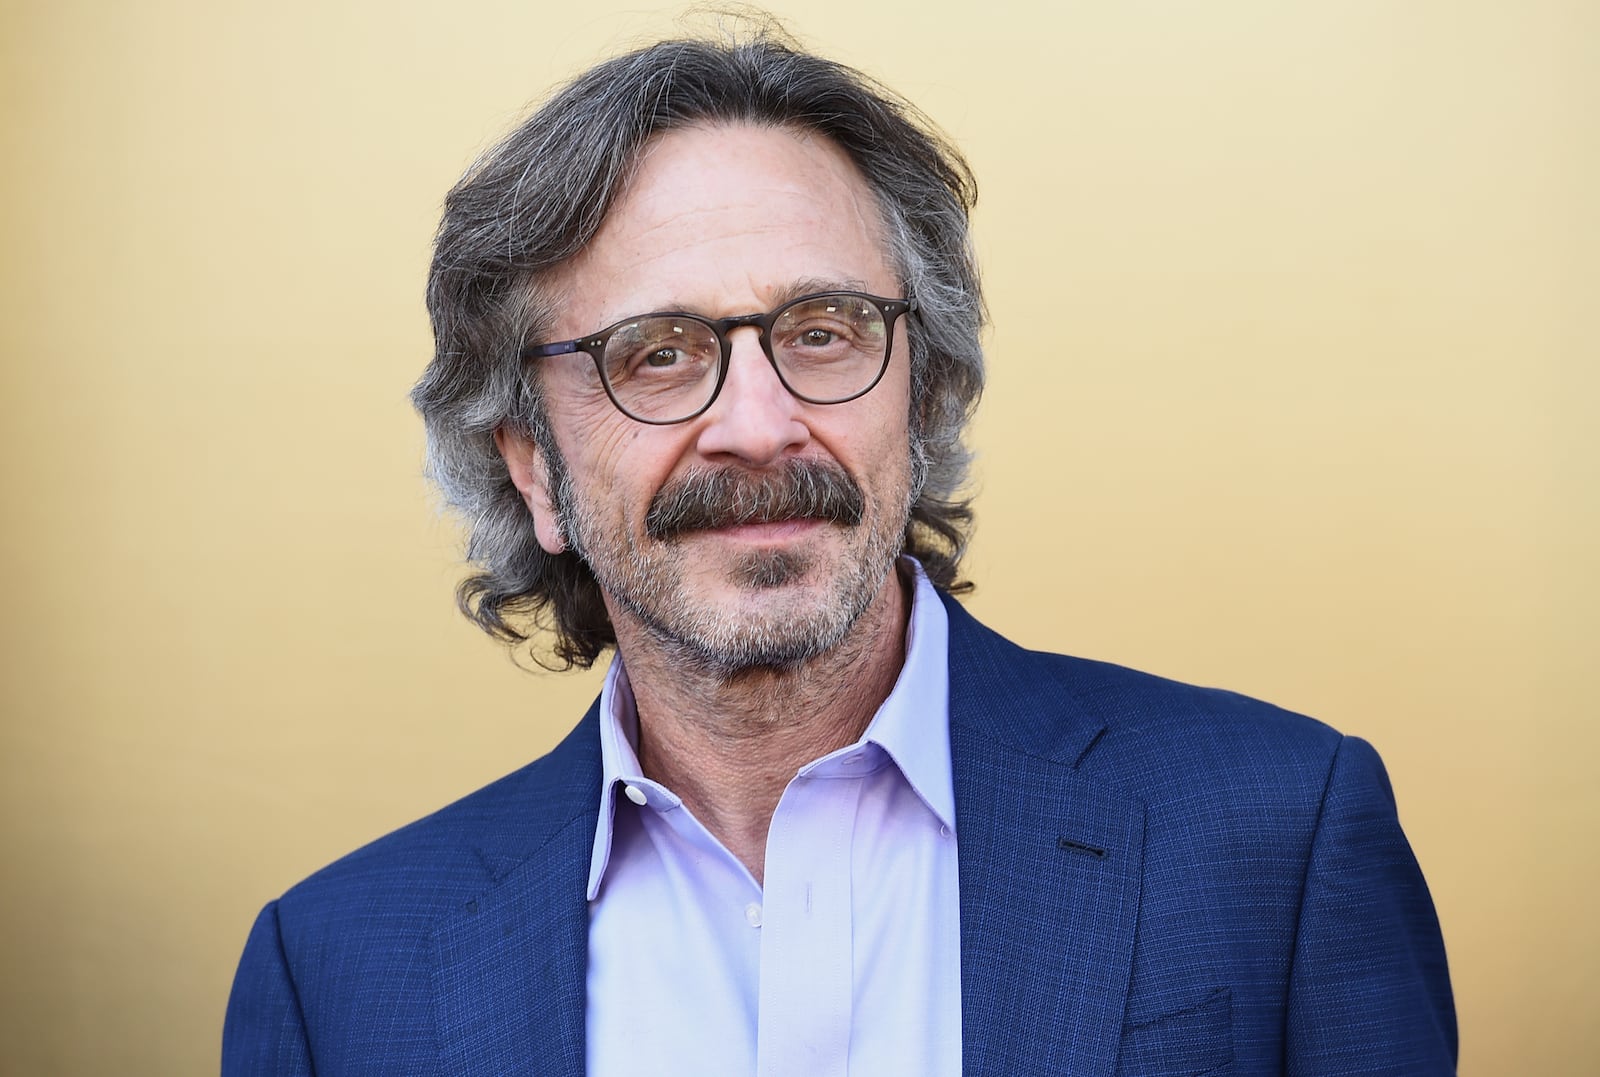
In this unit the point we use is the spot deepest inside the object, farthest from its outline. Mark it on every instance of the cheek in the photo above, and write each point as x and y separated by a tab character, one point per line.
618	463
892	465
590	432
892	417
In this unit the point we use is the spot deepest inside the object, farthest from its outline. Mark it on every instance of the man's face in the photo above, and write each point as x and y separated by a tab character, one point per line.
725	221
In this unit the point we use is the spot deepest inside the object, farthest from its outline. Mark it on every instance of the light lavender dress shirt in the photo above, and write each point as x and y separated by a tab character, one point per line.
848	961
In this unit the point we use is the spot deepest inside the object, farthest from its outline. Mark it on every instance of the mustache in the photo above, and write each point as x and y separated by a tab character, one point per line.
726	497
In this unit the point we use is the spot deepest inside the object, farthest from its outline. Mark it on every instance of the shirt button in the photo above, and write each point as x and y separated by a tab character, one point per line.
752	914
636	794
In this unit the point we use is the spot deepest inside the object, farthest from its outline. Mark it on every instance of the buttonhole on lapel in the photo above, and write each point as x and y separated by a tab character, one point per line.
1071	846
472	906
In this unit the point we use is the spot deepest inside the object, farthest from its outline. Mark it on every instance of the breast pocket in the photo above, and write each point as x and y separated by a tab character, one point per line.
1190	1042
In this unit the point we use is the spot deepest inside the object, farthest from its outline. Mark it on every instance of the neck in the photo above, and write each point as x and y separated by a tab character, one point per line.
729	745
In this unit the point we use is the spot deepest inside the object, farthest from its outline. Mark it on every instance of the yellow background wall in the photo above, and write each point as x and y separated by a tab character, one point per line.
1293	390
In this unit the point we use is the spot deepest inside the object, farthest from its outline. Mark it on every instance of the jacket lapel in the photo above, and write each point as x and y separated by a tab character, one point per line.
510	965
1050	868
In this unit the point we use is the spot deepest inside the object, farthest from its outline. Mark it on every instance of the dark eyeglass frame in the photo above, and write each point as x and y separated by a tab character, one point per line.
594	345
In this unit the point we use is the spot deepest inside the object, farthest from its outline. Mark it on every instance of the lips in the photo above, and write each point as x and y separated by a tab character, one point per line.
770	530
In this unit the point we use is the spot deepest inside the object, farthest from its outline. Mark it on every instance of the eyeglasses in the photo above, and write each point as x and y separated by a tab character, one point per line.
668	367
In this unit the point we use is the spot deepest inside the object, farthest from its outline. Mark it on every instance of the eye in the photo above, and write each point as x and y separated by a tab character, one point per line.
662	357
818	338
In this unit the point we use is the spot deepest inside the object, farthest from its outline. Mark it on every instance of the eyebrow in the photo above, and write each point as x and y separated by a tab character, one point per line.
812	285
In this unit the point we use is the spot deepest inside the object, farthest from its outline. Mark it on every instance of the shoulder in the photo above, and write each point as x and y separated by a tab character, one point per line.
450	855
1154	723
1143	737
360	937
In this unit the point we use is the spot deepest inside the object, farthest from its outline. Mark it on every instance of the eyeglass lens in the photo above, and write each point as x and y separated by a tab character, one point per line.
827	349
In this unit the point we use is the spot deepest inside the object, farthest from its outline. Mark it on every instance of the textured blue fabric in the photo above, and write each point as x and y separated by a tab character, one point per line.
1155	879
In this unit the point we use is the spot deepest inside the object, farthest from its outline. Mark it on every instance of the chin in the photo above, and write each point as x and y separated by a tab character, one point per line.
736	645
777	618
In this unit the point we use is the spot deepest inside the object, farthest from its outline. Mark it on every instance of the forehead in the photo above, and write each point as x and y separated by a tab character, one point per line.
728	220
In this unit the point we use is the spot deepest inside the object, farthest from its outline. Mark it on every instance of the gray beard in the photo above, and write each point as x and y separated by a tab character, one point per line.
646	580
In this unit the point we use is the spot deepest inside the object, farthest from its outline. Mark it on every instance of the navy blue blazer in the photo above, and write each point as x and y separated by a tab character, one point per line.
1155	879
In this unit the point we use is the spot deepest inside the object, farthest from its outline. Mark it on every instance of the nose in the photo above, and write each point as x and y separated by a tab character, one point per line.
754	418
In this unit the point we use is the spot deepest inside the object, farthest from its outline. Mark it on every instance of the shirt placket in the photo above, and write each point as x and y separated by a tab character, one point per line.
807	978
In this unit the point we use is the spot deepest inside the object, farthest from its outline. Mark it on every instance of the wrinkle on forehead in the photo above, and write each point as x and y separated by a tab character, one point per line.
687	191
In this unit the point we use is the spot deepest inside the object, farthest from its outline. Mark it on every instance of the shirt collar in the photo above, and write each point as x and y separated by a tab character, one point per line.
912	726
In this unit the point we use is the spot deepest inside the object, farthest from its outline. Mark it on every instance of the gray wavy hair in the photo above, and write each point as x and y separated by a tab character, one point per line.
534	200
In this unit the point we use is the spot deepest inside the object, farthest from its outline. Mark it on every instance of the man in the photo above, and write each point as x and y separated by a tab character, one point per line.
706	345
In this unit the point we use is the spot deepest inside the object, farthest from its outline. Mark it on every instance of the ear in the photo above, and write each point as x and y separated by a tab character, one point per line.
532	479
